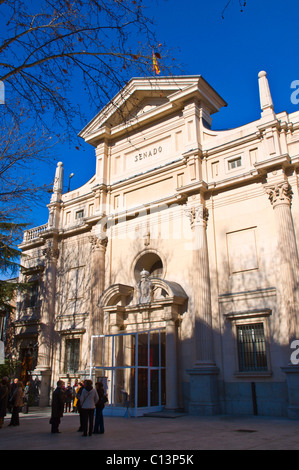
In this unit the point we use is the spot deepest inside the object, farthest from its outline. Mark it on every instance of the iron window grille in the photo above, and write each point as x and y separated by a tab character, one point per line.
252	348
72	351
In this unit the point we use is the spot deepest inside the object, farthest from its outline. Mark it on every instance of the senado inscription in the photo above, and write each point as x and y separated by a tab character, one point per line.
148	154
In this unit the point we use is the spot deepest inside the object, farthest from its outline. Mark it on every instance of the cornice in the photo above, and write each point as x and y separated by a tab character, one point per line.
131	213
230	144
149	174
254	313
281	161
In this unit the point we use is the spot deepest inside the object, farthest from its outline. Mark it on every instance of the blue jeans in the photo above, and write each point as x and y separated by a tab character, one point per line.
99	422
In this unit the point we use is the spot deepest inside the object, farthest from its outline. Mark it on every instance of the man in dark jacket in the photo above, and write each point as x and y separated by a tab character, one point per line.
58	400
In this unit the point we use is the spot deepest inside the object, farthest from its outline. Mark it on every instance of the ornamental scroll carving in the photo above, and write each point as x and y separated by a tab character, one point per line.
280	193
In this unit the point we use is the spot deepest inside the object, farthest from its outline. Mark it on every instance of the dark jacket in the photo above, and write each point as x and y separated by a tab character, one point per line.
4	393
102	398
17	397
58	400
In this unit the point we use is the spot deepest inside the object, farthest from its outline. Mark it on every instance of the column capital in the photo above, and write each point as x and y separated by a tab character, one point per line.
98	243
198	215
279	193
51	253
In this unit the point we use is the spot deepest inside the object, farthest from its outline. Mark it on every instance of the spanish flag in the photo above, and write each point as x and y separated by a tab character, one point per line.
155	63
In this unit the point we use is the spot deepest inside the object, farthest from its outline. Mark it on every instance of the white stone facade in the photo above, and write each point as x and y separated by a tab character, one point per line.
212	216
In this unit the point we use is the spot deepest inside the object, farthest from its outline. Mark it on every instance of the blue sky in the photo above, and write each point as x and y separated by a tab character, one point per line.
228	53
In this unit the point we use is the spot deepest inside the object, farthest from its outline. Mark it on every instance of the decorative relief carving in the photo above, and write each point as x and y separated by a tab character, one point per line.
197	215
50	253
145	288
98	243
280	193
147	239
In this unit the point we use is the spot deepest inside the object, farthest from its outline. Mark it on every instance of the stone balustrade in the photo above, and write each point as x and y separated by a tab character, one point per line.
35	232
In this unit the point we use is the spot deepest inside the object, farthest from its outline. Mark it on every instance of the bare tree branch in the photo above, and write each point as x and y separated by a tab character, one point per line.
94	37
242	4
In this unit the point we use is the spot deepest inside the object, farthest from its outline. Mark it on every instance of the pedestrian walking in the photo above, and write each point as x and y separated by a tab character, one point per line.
58	399
16	403
99	418
68	397
4	394
75	387
88	400
12	388
26	398
77	404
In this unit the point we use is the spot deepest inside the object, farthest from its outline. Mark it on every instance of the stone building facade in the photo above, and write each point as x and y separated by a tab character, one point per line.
173	273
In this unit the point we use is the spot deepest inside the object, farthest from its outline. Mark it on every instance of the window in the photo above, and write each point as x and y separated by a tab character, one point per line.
31	297
235	163
79	214
251	347
72	355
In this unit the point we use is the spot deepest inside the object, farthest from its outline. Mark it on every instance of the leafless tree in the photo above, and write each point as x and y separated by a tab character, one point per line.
91	47
21	147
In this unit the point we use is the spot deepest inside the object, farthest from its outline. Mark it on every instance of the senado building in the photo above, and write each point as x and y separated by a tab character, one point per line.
172	274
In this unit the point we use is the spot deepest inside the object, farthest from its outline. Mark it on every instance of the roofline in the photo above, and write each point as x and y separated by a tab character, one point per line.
151	79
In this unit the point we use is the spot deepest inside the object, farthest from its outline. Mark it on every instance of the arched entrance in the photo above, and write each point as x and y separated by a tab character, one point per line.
137	354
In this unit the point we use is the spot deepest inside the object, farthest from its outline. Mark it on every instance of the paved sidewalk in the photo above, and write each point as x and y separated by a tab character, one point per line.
153	433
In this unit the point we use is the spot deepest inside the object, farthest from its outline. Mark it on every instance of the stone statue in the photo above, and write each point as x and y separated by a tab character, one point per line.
145	288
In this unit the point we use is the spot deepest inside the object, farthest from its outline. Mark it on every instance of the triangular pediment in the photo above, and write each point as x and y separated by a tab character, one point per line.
143	98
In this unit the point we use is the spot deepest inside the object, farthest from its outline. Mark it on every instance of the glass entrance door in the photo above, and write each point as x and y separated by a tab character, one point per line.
150	369
133	368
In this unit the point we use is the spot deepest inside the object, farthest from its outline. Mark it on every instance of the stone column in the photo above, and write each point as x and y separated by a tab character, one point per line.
280	195
203	347
117	379
171	378
203	375
98	251
45	338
